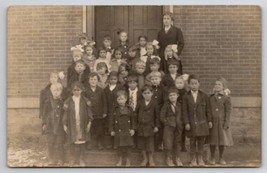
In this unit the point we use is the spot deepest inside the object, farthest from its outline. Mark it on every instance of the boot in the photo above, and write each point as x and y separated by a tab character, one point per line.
128	162
193	160
178	161
200	161
82	163
169	162
212	161
144	162
222	161
119	163
151	159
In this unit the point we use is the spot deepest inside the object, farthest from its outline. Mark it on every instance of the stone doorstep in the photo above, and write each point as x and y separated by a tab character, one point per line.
33	102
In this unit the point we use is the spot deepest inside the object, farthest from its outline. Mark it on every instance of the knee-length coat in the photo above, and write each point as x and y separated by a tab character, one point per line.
220	133
196	114
121	122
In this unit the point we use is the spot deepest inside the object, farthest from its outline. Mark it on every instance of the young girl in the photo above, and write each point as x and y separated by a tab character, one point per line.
150	53
133	56
170	53
122	126
123	42
116	60
99	109
107	44
102	71
89	57
102	58
147	112
123	74
111	90
142	41
77	122
220	133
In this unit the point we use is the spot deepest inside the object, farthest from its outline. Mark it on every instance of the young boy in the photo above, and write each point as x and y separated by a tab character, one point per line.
122	126
153	66
102	58
197	119
169	78
140	68
99	109
107	45
134	93
77	122
171	117
147	113
52	124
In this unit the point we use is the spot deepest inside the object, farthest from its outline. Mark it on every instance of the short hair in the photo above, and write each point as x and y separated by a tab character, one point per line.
113	73
180	77
122	93
173	90
173	62
125	65
56	85
147	87
132	77
142	36
101	49
107	37
155	74
169	14
193	76
154	61
102	64
93	74
91	46
77	84
133	48
140	63
80	62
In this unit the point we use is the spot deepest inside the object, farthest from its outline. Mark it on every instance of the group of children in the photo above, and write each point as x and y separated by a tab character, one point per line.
122	100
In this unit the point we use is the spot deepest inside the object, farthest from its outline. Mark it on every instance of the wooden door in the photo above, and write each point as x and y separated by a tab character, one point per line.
136	20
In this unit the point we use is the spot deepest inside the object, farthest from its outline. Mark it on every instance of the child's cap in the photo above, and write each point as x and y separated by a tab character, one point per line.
132	78
134	48
83	36
140	63
173	62
107	37
113	73
154	74
173	90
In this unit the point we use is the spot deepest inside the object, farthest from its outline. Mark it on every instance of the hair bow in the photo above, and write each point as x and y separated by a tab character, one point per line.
155	43
77	48
61	75
155	57
175	48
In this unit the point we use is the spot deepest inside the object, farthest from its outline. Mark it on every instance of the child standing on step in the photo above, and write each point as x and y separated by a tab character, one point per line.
122	126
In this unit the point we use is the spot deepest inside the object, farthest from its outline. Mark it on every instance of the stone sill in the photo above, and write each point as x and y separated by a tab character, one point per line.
33	102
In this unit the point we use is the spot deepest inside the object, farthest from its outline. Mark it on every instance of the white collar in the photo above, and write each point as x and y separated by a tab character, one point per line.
194	92
133	91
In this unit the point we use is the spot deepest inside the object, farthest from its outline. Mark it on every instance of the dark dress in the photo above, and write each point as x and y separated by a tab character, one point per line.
173	36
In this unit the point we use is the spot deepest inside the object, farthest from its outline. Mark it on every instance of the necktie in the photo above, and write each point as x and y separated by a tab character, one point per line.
131	101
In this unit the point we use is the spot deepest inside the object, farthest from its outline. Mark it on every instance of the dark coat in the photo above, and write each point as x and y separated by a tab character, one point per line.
196	114
139	96
173	36
111	97
73	76
159	94
147	118
70	121
181	94
45	94
221	111
170	118
124	50
121	122
98	101
168	82
53	116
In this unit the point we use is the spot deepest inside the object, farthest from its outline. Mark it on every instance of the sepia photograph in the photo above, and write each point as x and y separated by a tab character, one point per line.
151	86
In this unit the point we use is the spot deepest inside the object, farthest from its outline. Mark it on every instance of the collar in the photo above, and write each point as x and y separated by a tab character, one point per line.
133	91
194	92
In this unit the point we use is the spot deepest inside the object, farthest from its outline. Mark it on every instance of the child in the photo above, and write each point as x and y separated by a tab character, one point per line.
52	124
123	74
147	113
116	60
154	65
107	45
83	39
132	56
79	74
122	126
142	45
171	117
197	119
102	58
46	92
220	133
158	96
110	91
77	122
150	53
134	92
89	57
140	68
102	71
170	53
180	86
99	109
123	43
169	78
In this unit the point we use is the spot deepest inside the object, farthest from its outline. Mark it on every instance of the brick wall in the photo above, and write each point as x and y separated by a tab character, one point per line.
39	41
223	41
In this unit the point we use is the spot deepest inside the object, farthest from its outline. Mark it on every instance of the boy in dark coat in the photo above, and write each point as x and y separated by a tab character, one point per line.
52	124
122	126
77	122
99	109
171	117
111	97
147	113
169	78
197	119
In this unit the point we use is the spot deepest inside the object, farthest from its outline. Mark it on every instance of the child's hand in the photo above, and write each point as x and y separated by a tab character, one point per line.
65	128
104	115
112	133
88	127
156	130
132	132
187	127
210	125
